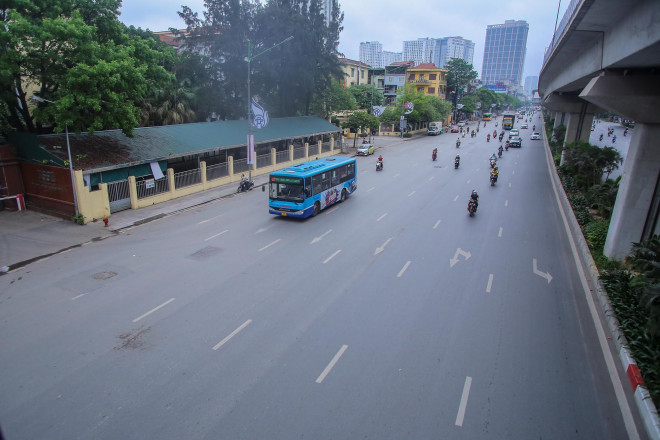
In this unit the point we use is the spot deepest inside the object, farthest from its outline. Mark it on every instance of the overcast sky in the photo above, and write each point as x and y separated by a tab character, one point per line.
391	22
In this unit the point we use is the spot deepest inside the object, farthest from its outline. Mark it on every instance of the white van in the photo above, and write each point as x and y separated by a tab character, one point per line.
434	128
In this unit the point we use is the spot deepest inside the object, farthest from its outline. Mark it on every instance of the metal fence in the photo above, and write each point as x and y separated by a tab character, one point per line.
263	160
282	156
187	178
556	36
325	147
216	171
148	188
240	166
298	152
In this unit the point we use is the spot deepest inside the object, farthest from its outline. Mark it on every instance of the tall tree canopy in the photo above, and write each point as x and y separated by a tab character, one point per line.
76	54
460	74
286	78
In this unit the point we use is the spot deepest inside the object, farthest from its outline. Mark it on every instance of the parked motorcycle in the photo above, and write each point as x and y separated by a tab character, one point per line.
245	185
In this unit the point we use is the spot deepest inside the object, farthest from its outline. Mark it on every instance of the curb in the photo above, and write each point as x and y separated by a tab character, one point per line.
645	405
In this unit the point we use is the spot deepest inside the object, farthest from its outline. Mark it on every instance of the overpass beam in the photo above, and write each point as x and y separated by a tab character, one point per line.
636	211
576	114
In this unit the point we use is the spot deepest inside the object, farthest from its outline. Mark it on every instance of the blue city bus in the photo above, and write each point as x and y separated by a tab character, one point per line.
305	189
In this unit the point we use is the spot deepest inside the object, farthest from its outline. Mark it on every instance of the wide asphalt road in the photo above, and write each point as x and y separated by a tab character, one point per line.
393	315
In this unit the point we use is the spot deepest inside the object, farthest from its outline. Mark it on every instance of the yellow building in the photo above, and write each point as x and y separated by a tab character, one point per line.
355	72
429	79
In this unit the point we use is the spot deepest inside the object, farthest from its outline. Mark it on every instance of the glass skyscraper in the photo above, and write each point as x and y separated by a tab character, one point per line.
504	53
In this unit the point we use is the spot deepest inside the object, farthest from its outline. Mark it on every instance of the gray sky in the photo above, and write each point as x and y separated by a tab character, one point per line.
391	22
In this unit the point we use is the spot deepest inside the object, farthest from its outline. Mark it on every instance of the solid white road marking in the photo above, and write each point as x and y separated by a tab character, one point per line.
403	269
628	421
209	219
213	236
431	178
332	256
382	248
381	217
536	270
154	309
456	198
490	283
331	364
437	224
464	398
320	237
506	203
499	234
411	193
269	245
232	334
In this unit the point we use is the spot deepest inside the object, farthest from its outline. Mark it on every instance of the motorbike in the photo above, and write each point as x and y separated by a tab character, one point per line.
457	162
506	146
434	156
493	179
494	134
534	128
245	185
601	137
379	166
499	152
614	139
501	136
472	207
458	143
473	134
492	162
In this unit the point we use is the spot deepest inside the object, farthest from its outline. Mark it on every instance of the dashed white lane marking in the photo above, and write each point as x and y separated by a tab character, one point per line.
463	405
506	203
403	269
437	224
232	334
213	236
397	174
209	219
490	283
499	234
154	309
456	198
78	296
331	364
371	189
270	244
513	172
411	193
431	178
468	181
509	184
381	217
332	256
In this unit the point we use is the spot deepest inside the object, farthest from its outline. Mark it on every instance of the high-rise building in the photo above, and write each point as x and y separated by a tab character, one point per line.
371	52
328	6
531	84
419	51
504	52
391	57
453	47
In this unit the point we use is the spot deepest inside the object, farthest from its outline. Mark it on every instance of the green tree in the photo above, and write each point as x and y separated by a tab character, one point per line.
365	94
460	74
360	121
334	99
55	50
486	97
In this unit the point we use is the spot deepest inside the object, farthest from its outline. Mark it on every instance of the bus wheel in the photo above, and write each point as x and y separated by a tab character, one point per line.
343	194
317	209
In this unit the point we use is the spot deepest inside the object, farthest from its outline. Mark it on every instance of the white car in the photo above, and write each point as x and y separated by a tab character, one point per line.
513	132
524	126
365	149
461	124
535	136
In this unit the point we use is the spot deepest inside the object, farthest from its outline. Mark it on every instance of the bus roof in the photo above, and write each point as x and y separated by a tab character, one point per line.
306	169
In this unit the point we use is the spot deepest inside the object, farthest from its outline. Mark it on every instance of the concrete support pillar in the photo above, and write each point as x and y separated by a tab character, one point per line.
273	156
559	120
230	166
290	153
202	172
170	180
635	215
320	150
578	127
306	151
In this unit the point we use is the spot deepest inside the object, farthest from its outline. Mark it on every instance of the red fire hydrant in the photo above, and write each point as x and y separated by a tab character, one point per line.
106	220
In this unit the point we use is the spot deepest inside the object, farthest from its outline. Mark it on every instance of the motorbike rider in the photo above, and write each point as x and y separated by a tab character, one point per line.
495	172
533	127
614	139
458	143
600	138
488	137
506	145
434	154
457	159
499	150
475	198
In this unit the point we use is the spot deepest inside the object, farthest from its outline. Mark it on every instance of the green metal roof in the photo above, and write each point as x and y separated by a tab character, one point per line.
112	148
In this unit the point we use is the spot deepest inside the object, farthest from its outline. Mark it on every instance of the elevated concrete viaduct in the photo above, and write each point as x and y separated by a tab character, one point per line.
605	55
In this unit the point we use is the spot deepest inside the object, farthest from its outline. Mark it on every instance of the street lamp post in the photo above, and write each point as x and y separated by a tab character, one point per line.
68	150
250	57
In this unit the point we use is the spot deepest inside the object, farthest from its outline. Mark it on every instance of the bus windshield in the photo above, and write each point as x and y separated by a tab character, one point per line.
290	189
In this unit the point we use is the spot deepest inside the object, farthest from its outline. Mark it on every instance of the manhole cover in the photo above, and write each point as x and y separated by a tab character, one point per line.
104	275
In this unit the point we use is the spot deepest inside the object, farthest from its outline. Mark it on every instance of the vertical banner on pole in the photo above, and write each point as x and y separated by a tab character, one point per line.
250	149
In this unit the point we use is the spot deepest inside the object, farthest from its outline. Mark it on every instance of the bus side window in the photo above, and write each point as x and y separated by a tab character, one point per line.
351	170
343	172
318	186
325	181
335	178
308	186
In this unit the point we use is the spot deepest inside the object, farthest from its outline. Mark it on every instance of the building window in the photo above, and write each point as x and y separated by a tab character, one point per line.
431	90
433	76
352	72
362	74
420	89
411	77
